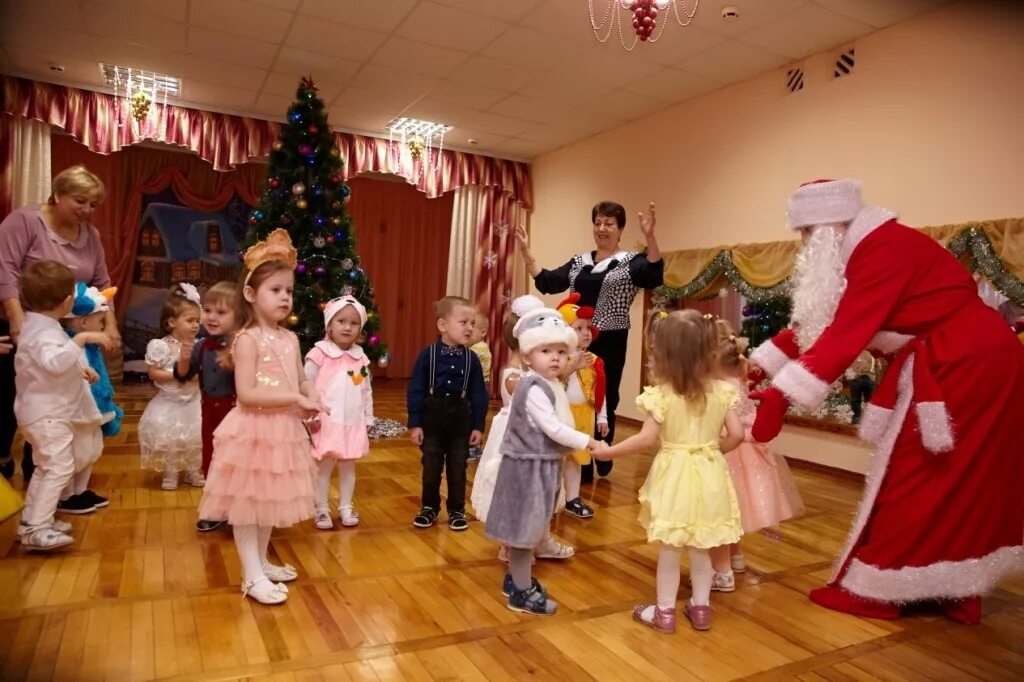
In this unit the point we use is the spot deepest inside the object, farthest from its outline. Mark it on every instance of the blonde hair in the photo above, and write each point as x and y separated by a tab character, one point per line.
730	348
175	303
682	345
221	292
77	180
445	306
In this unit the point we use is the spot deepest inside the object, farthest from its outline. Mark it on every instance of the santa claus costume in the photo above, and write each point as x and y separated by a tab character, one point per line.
942	517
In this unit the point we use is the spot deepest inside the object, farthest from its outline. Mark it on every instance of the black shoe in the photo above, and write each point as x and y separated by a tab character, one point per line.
7	468
579	509
604	467
457	520
205	525
76	504
426	518
98	501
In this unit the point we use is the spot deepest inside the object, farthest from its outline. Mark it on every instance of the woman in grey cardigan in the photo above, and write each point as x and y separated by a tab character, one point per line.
539	435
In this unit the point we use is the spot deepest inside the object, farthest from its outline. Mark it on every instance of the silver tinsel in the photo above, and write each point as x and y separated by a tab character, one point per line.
972	241
386	428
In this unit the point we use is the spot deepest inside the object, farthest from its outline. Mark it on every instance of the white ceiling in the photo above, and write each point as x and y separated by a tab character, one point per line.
521	77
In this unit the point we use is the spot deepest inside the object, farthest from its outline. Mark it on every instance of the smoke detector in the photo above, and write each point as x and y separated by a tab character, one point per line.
730	13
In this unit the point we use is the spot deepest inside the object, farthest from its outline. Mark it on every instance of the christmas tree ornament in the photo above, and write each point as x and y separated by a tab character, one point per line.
313	130
347	290
336	220
336	205
277	146
383	361
319	271
374	340
319	242
339	236
310	160
320	221
335	152
258	214
323	305
274	182
295	117
330	239
353	276
298	188
317	190
300	268
291	320
301	204
305	149
346	191
335	179
347	264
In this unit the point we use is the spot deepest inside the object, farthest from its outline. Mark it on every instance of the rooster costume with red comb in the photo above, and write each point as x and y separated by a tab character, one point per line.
592	380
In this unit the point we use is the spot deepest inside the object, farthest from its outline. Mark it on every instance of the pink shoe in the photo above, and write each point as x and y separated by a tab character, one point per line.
663	620
699	616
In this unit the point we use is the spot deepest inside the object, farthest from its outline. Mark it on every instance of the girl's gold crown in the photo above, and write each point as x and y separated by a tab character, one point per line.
277	246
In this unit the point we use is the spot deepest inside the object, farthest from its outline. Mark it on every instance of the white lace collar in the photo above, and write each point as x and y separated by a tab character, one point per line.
331	350
588	259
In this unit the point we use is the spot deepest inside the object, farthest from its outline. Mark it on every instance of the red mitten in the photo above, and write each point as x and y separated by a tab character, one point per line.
771	412
756	376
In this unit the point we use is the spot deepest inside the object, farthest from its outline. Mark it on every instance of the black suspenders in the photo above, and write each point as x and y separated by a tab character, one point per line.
433	370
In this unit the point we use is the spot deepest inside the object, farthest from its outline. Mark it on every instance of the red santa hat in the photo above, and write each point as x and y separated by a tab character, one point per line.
824	202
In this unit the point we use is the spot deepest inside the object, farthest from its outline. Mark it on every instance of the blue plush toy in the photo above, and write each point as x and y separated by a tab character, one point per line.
90	301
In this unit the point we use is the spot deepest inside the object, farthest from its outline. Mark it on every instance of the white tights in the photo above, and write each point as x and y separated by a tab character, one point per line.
573	475
346	482
668	577
252	543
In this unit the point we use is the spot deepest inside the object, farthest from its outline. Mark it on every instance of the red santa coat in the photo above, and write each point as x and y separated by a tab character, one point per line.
943	511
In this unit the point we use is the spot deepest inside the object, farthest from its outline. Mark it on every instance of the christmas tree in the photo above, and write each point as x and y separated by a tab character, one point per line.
306	195
763	320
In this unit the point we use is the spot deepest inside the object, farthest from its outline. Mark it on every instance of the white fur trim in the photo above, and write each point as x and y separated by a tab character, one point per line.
524	304
879	461
873	423
942	580
797	382
864	223
936	426
588	259
336	305
770	358
889	342
832	202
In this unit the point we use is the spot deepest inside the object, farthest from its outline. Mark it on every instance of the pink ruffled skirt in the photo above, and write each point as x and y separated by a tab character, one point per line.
262	470
764	485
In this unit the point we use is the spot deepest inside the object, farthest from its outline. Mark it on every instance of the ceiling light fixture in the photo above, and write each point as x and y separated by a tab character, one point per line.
141	88
644	16
418	136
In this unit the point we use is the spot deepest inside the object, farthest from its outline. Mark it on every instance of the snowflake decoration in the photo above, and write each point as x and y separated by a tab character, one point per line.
490	260
501	229
505	297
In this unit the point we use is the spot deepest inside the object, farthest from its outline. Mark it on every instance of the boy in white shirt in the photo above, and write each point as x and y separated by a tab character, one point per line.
54	407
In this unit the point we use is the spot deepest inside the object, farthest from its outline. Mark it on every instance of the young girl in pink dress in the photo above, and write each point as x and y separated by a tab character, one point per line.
765	489
262	474
339	369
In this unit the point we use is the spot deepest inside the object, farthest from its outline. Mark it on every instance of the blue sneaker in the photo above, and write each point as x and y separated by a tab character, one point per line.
475	452
508	587
533	601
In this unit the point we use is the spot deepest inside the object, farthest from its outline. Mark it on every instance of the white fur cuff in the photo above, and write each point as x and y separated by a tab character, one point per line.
797	382
769	357
874	422
936	426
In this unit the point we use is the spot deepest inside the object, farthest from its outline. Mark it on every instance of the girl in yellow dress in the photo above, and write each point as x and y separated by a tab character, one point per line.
688	501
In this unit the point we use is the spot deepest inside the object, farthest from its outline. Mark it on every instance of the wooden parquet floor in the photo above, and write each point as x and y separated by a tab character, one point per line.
142	596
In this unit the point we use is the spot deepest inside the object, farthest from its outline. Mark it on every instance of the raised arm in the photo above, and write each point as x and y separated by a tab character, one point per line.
546	281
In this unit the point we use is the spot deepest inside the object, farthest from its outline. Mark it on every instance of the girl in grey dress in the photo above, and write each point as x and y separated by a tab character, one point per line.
539	434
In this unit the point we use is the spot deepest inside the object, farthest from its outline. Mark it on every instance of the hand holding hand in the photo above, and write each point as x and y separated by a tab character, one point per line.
475	438
416	435
598	449
771	412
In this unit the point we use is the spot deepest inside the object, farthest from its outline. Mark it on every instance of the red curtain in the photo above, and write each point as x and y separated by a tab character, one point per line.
403	242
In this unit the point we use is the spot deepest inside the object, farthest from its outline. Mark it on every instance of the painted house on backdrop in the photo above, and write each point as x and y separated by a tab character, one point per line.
176	244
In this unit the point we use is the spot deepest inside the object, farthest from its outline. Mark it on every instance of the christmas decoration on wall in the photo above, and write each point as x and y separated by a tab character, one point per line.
645	16
306	196
490	260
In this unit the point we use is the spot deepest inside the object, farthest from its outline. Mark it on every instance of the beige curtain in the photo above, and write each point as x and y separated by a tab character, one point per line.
30	171
470	204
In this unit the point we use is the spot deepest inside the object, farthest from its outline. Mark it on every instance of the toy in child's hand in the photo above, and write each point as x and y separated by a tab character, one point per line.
771	412
312	425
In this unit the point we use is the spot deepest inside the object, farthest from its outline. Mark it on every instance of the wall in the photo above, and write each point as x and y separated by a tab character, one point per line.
929	121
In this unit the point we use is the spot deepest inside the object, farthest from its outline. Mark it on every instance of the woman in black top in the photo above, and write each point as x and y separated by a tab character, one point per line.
607	279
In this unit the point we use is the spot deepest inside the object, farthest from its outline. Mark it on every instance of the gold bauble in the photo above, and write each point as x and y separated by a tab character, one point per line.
301	204
291	320
416	147
278	146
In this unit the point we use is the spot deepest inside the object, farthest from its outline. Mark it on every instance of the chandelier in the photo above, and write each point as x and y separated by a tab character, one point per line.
649	19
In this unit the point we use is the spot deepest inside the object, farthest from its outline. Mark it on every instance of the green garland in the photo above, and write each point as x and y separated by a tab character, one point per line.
971	240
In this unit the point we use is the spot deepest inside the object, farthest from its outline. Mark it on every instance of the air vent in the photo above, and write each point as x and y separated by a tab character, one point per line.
795	79
844	64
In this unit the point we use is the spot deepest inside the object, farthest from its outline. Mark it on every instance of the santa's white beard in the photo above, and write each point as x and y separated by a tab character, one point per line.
818	283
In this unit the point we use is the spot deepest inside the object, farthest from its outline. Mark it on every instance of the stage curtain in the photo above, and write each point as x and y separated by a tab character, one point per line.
402	238
137	171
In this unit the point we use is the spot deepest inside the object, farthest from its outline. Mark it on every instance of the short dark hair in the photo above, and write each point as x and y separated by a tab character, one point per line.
46	284
609	209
